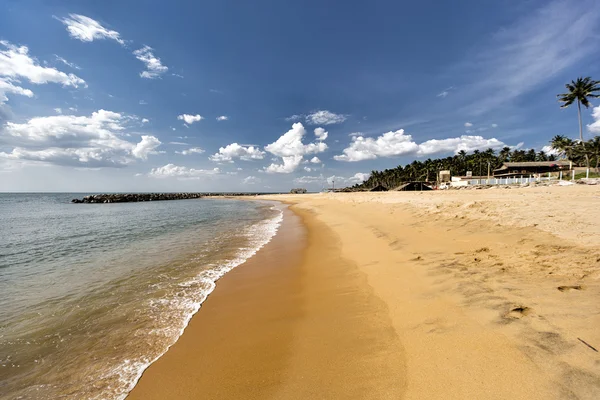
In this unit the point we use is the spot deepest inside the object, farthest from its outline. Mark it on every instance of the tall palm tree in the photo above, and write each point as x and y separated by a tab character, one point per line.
580	90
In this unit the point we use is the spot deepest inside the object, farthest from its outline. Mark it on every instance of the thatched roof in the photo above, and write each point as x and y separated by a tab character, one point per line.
413	186
379	188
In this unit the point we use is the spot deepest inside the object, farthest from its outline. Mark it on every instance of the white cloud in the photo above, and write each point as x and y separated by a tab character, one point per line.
190	119
387	145
143	102
443	94
359	177
324	117
294	118
307	169
154	68
175	171
251	180
397	144
594	127
222	118
310	179
315	160
147	146
468	124
69	64
177	75
87	141
15	63
291	150
179	143
58	110
145	120
494	125
321	134
550	151
193	150
234	150
87	30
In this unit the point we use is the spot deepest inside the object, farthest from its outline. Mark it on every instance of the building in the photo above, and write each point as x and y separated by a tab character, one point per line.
528	168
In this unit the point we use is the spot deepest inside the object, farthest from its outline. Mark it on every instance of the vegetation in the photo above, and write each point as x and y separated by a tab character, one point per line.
480	163
580	91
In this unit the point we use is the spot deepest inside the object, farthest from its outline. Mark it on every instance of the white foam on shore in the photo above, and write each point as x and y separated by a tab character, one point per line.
259	235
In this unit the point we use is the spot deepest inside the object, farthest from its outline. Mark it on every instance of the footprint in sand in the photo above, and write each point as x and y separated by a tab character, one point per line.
569	288
519	312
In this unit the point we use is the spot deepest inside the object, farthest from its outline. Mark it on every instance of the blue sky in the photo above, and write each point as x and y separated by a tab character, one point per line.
269	95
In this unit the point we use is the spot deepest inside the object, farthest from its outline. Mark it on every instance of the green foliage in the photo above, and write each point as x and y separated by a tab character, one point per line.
477	162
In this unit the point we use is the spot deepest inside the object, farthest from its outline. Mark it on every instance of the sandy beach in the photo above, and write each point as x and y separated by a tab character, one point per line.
475	294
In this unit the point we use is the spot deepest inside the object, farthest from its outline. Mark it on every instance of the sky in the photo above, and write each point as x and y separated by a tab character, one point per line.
223	95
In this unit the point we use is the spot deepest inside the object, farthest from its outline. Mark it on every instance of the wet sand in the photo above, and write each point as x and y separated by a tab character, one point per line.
296	321
404	296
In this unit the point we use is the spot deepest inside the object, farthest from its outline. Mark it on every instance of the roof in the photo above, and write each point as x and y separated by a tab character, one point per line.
413	185
525	164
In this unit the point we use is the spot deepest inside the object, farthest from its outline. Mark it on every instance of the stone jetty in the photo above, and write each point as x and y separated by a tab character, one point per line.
135	197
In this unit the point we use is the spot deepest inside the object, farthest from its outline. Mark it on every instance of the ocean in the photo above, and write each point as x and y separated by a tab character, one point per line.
91	294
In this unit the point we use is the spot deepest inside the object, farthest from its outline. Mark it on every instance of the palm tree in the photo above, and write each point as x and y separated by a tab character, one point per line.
563	145
580	90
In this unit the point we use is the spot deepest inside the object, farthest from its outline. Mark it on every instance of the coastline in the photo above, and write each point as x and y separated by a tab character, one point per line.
403	295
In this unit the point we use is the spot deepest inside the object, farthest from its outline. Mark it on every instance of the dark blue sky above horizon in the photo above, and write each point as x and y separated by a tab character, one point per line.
451	75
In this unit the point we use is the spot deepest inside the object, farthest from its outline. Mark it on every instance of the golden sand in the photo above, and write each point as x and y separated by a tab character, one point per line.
490	294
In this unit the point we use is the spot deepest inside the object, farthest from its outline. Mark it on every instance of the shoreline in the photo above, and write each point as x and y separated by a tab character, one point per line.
403	296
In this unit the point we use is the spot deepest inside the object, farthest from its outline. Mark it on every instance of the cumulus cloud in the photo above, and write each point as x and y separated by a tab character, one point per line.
251	180
468	124
147	146
315	160
234	150
291	150
87	30
190	119
58	110
193	150
84	141
175	171
594	127
324	117
398	143
145	120
321	134
222	118
154	67
307	169
16	64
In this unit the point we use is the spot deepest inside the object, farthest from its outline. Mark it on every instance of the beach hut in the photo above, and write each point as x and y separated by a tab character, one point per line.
413	187
379	188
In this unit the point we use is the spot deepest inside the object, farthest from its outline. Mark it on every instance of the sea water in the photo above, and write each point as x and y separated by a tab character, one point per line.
91	294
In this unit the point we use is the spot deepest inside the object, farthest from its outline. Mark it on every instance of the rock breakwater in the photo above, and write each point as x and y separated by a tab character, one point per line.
135	197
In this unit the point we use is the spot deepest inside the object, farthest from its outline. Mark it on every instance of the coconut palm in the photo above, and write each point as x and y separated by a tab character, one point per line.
580	90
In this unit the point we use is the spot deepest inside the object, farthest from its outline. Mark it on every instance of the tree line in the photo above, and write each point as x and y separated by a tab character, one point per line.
580	152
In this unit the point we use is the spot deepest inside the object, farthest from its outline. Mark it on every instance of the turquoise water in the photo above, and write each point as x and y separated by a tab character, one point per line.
91	294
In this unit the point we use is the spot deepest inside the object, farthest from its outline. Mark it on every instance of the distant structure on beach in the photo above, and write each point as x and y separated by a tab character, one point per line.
528	168
298	191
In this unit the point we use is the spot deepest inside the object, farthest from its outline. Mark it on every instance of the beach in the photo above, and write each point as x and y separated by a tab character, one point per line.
489	294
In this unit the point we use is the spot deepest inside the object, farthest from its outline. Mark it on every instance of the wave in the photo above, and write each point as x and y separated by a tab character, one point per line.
258	235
